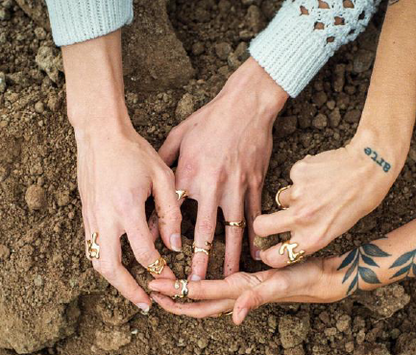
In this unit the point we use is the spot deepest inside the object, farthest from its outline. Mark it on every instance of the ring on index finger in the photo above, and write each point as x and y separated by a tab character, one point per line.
184	290
279	204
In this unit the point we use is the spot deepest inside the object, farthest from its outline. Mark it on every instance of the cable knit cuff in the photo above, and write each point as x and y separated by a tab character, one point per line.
75	21
292	50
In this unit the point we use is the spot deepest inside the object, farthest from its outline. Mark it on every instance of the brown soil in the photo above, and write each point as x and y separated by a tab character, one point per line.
52	302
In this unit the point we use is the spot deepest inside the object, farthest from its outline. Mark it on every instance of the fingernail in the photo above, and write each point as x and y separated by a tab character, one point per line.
195	278
144	307
243	313
257	255
175	242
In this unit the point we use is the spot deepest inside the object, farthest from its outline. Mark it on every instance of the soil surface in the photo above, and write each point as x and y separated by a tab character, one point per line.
53	302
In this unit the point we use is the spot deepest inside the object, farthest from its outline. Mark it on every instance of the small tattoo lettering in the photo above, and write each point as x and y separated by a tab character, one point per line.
380	161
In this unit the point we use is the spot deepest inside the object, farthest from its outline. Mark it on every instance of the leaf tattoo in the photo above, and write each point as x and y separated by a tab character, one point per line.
408	260
392	2
356	259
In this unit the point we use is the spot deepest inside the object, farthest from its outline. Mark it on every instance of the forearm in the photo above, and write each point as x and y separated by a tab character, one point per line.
379	263
94	84
389	114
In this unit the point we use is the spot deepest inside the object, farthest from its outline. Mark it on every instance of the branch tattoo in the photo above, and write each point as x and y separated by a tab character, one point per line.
407	264
355	259
380	161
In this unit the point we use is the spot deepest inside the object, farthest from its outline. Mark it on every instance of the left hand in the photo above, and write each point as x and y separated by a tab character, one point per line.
331	191
315	281
224	153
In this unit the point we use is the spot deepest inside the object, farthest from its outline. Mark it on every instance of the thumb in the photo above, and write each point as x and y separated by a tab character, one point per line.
252	299
169	150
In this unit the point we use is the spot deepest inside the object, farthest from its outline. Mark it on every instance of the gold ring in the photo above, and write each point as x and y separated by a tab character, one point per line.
294	257
157	266
229	313
184	290
181	194
240	224
93	249
278	197
202	250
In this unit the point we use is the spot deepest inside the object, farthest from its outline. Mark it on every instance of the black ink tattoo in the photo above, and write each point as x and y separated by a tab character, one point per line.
409	262
392	2
364	254
374	156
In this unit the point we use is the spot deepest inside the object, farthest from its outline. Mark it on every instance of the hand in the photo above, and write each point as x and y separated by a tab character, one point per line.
315	281
331	192
224	151
117	171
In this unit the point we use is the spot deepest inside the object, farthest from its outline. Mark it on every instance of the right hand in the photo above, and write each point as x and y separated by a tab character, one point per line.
117	171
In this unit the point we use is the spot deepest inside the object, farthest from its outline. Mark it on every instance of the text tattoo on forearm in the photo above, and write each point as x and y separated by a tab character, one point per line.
380	161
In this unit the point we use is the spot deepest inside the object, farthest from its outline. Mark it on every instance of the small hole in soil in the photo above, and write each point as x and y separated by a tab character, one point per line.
348	4
362	15
319	26
304	10
330	39
351	32
339	21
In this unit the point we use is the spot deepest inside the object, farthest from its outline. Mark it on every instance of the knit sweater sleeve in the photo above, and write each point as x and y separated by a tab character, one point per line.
75	21
305	34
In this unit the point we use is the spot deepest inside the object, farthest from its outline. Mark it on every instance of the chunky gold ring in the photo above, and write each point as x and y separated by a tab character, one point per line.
184	290
93	249
278	197
240	224
294	257
181	194
202	250
157	266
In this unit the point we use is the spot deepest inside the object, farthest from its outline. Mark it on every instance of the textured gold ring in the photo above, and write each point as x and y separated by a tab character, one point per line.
157	266
184	290
181	194
93	249
294	257
202	250
239	224
279	204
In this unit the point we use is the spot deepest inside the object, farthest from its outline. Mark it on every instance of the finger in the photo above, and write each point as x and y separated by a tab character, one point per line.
233	211
253	209
274	223
254	298
154	222
204	235
110	267
169	150
278	257
87	231
230	288
168	212
196	309
142	244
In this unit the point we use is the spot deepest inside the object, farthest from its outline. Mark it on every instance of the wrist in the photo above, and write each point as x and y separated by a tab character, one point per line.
253	86
390	154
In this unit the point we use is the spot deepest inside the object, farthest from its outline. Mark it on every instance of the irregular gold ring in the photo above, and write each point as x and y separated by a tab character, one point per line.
278	197
157	266
239	224
93	249
229	313
181	194
184	290
294	257
202	250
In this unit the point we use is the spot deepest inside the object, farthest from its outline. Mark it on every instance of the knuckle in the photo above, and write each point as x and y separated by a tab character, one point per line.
188	170
298	169
304	214
256	182
256	298
206	227
295	193
107	270
144	255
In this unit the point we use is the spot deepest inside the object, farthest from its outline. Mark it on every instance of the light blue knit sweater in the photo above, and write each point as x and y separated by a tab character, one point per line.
296	44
